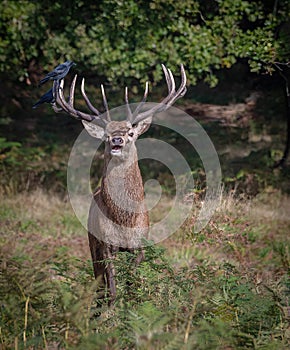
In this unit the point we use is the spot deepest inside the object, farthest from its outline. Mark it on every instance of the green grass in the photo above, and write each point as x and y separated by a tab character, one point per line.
223	288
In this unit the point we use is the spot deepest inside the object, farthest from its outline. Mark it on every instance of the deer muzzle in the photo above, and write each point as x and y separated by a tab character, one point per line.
117	144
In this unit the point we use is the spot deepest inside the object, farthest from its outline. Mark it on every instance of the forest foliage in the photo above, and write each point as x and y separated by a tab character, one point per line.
123	40
123	43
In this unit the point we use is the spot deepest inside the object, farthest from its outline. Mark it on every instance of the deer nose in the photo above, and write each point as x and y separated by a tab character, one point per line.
117	141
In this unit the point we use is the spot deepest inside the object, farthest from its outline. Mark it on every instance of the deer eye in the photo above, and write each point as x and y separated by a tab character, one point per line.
131	134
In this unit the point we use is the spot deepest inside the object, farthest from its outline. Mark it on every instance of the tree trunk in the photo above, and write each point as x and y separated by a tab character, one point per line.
284	160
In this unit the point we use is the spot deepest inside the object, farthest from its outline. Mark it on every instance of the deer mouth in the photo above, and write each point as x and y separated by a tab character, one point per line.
116	150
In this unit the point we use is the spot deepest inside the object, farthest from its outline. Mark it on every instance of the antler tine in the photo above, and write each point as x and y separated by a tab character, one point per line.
170	98
129	112
55	88
58	87
105	103
68	107
182	89
88	102
167	77
171	89
54	92
56	109
60	97
72	91
140	105
172	83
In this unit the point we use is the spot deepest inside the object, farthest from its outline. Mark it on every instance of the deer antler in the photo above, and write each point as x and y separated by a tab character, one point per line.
134	118
172	96
131	116
68	106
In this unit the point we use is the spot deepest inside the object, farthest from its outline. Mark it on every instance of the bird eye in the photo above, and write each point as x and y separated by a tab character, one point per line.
131	134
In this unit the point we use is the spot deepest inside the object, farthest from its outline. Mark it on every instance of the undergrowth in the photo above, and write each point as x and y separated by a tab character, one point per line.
223	288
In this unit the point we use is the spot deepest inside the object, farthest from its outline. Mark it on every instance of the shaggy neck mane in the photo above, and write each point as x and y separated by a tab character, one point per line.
122	190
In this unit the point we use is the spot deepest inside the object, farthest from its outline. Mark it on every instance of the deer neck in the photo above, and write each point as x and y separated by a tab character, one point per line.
122	186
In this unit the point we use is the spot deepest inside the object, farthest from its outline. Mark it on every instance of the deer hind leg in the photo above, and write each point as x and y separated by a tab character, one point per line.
140	254
140	257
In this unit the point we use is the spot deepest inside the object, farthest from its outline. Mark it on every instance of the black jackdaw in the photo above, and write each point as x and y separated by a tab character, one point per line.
58	73
47	97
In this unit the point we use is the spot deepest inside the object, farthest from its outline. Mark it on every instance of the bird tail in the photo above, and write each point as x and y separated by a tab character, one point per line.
36	104
42	81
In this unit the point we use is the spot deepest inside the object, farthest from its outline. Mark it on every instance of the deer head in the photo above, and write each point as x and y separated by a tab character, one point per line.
119	136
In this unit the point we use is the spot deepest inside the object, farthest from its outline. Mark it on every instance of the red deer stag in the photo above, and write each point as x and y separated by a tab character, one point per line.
118	217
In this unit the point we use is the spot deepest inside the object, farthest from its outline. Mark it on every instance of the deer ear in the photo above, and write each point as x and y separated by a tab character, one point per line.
93	129
142	126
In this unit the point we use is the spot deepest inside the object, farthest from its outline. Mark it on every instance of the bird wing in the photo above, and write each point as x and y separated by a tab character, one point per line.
57	71
47	97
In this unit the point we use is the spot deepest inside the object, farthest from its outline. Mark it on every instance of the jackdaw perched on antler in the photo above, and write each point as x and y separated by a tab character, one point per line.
58	73
46	98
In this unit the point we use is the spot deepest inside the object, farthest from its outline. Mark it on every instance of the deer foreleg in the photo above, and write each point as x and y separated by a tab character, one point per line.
110	275
97	254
